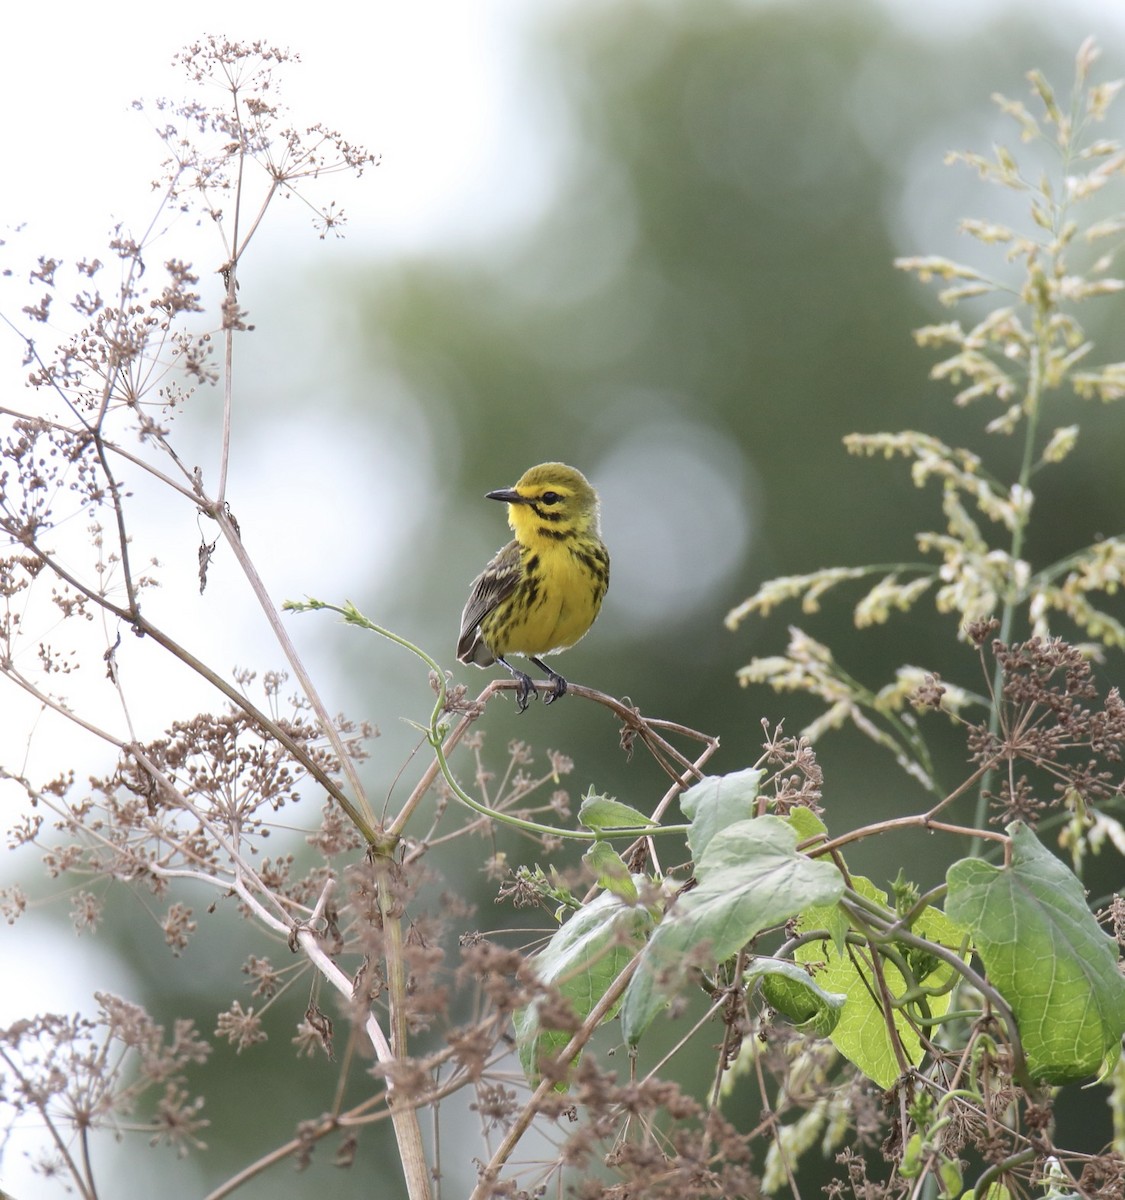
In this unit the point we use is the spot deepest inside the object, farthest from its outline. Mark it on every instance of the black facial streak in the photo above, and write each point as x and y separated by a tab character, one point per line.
547	516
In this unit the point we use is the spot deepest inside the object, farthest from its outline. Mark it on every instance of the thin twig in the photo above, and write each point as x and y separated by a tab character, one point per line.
522	1123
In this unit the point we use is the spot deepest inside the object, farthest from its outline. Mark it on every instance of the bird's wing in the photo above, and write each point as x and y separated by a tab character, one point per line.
493	585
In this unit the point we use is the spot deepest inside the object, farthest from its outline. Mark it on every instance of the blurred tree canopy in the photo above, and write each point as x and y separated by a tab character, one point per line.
703	309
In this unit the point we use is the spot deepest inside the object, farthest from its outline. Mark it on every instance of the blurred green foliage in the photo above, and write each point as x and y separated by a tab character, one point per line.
696	318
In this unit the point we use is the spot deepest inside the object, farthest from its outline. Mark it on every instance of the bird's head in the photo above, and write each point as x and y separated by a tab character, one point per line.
551	500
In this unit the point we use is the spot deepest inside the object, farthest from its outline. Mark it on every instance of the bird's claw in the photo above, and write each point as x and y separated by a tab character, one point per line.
558	689
525	690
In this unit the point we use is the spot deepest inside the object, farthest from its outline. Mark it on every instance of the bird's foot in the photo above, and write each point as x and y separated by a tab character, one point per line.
526	690
558	683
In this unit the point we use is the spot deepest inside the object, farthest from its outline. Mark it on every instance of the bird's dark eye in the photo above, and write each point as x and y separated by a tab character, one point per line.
550	498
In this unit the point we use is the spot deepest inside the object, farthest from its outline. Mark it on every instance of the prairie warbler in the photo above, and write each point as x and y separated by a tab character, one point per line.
541	593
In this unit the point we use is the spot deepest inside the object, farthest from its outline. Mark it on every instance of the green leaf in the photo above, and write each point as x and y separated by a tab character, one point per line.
790	990
862	1034
994	1191
609	868
1046	955
952	1181
806	823
582	959
750	877
717	802
602	813
911	1166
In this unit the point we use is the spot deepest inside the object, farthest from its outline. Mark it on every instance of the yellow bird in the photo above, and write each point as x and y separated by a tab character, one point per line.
541	593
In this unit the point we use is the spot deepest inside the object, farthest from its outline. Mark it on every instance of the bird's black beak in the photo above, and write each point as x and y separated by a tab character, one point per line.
509	495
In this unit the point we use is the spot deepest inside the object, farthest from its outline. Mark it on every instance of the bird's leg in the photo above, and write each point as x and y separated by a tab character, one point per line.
558	683
524	686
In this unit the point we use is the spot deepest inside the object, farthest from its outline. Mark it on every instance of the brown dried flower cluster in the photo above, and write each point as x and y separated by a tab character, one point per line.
1051	721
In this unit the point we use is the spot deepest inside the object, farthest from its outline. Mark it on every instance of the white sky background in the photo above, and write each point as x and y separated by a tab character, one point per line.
439	88
432	85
